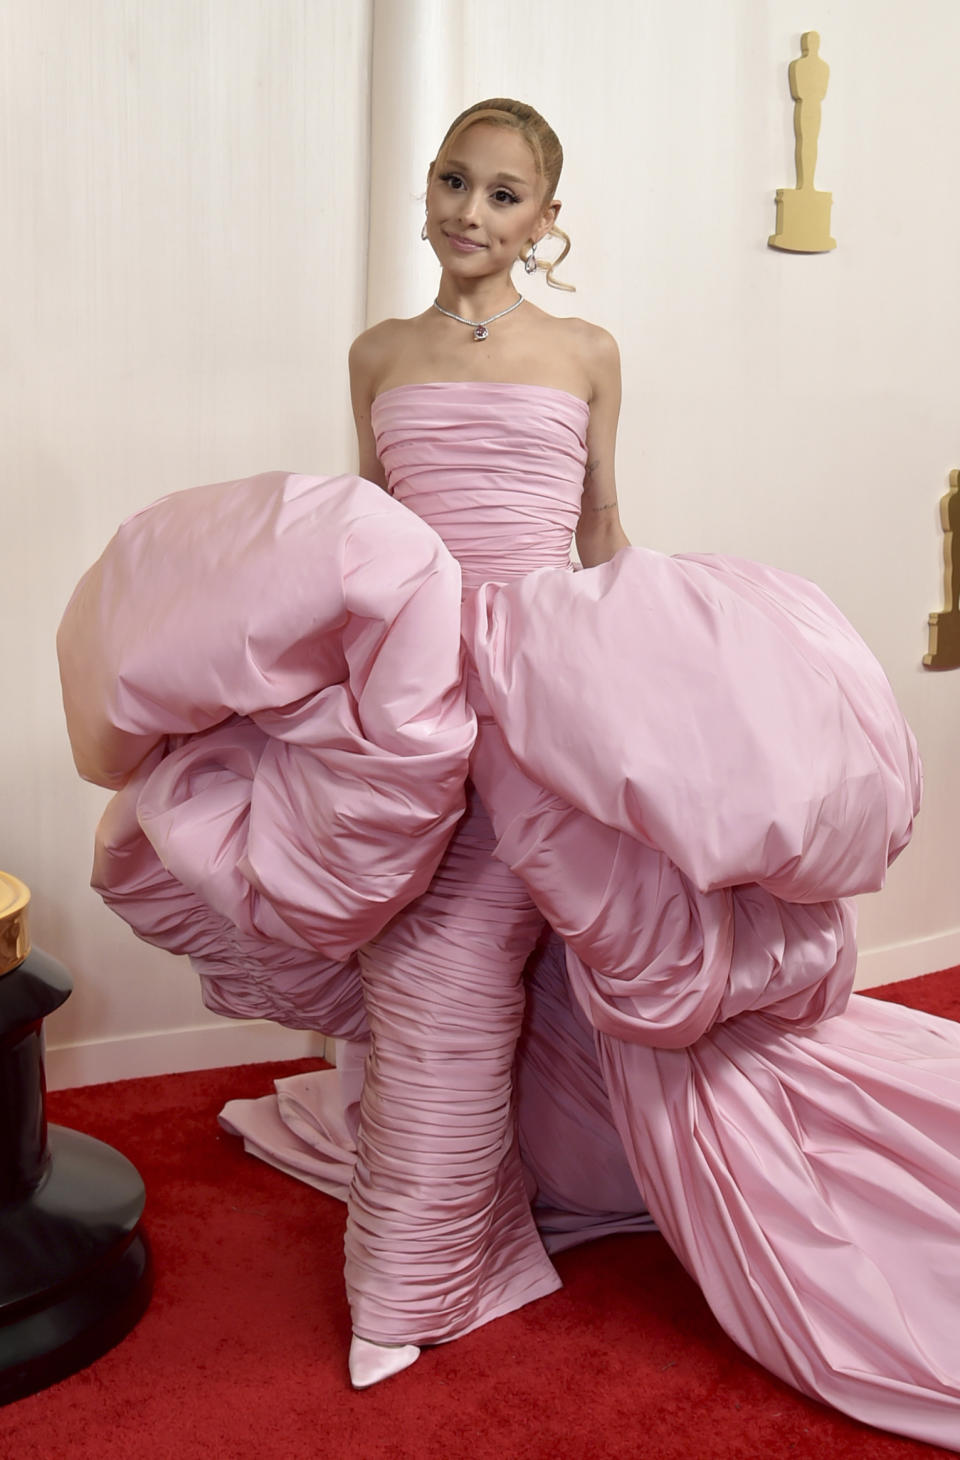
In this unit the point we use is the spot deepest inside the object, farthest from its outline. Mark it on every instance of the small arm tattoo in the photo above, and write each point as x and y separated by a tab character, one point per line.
602	506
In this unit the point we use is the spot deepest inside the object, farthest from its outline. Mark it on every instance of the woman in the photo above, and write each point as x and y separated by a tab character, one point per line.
489	202
683	765
490	199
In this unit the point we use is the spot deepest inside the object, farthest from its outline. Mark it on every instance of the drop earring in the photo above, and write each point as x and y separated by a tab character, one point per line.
423	231
530	262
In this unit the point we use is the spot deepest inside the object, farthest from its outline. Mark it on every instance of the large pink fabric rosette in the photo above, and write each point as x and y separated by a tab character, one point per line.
268	672
692	827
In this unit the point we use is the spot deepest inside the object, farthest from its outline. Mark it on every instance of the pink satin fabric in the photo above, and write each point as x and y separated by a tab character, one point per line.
287	726
684	766
440	1235
496	470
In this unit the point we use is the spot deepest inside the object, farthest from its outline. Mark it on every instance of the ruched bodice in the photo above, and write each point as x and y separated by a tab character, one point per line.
495	469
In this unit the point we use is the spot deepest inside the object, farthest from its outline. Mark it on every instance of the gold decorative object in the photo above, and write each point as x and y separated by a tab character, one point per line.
803	214
14	937
944	628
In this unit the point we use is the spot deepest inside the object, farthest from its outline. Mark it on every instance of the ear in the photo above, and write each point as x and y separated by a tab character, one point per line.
547	219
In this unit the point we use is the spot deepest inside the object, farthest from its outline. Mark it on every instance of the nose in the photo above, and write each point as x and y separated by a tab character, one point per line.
469	206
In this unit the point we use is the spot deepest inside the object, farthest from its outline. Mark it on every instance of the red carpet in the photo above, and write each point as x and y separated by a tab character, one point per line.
242	1355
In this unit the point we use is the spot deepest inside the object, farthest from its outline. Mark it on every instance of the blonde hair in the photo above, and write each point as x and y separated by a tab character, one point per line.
503	111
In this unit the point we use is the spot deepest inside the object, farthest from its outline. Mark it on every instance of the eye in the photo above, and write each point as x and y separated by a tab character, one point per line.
453	180
504	195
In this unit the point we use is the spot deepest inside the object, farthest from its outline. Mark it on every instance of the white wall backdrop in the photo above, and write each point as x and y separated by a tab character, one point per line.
182	246
184	242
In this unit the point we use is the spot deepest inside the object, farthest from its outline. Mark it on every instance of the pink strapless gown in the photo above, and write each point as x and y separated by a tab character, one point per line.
681	766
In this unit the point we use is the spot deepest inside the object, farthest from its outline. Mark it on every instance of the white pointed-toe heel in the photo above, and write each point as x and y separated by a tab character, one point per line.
370	1363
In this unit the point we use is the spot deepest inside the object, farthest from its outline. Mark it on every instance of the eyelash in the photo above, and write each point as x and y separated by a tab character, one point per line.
451	177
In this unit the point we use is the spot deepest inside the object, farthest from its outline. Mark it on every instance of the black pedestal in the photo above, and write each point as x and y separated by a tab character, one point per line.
75	1270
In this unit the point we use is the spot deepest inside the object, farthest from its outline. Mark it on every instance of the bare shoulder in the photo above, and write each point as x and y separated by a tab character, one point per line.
376	354
599	354
595	345
369	350
584	357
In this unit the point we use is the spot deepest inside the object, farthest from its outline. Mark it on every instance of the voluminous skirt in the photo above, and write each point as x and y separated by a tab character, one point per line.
684	766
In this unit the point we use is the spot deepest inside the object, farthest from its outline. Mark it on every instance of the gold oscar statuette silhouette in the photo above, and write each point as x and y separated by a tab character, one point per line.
803	214
944	627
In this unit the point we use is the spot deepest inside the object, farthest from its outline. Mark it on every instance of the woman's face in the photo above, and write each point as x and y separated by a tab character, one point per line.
484	201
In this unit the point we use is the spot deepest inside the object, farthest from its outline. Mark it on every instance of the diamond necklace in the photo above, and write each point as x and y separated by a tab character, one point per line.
479	326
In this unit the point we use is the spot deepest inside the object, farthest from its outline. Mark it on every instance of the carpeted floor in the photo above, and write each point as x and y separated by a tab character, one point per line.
242	1354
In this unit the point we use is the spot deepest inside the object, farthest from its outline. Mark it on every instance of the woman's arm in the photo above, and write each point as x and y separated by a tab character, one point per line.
362	360
599	532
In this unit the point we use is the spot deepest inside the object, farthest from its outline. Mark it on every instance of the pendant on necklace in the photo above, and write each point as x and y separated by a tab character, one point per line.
481	332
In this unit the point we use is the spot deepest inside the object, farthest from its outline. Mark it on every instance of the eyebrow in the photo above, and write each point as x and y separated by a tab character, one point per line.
509	177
